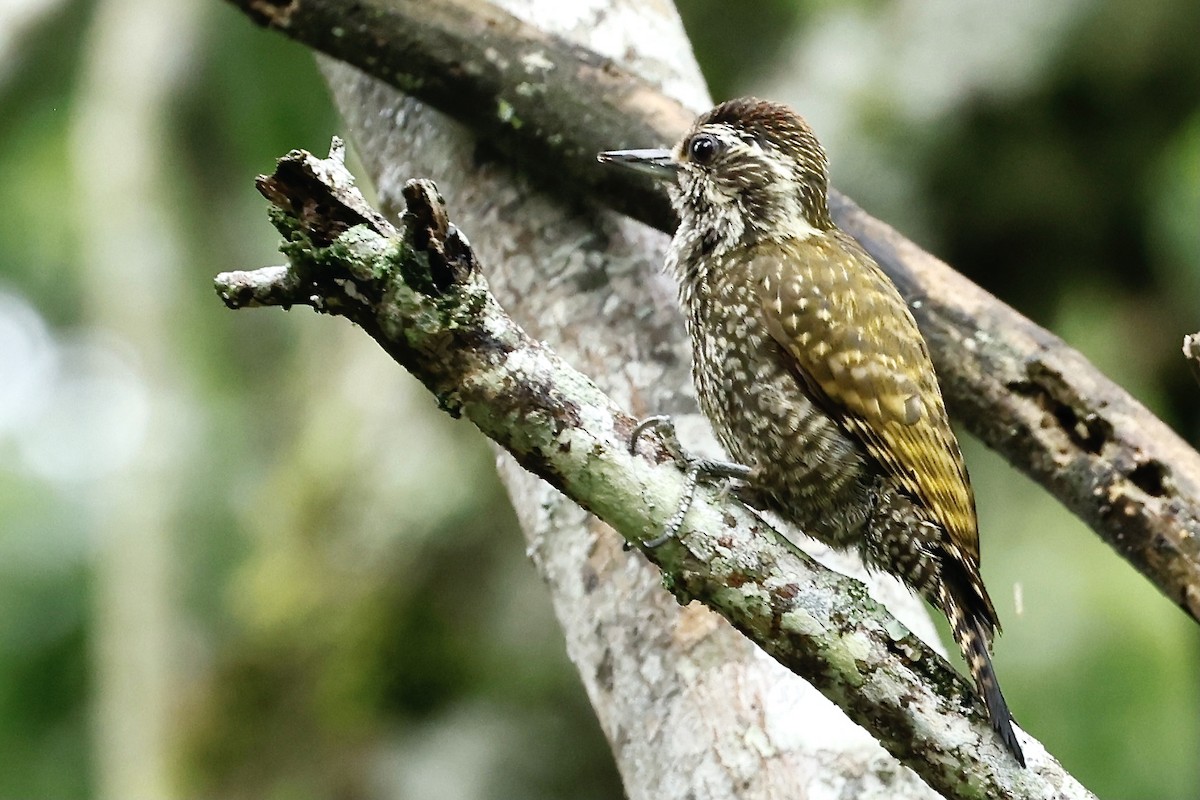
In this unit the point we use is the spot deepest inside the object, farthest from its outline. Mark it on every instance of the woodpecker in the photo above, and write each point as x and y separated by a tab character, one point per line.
811	369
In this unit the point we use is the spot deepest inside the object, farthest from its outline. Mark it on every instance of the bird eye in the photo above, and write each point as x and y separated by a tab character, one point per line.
702	148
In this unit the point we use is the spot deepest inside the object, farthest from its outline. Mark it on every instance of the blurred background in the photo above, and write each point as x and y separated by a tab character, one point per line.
243	555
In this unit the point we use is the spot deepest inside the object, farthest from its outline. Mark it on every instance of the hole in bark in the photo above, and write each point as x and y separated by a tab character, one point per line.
1150	477
1090	432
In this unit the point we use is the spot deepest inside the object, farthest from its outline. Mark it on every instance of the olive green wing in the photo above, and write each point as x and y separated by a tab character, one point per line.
852	341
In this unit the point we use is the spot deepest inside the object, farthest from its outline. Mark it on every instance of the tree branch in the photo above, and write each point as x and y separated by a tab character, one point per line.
422	297
549	106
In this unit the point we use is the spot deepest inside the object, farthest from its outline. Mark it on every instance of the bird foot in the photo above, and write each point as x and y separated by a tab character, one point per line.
694	470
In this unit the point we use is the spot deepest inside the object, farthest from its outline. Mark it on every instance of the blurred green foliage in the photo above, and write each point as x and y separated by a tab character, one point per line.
355	615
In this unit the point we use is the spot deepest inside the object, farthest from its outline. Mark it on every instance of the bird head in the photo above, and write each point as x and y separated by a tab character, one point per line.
748	170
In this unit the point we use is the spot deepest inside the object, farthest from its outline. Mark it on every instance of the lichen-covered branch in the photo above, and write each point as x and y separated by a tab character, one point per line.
423	298
548	106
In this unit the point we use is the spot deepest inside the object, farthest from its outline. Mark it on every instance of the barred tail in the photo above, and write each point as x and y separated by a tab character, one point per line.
973	631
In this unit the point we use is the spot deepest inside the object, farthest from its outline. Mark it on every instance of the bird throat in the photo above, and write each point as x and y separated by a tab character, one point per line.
712	225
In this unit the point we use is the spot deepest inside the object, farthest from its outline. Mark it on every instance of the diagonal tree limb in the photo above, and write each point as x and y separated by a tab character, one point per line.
548	106
421	295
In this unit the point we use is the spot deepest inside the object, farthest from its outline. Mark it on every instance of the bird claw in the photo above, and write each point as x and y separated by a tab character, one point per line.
666	430
694	468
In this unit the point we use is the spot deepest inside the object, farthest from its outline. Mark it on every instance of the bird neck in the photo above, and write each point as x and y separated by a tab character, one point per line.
716	217
706	243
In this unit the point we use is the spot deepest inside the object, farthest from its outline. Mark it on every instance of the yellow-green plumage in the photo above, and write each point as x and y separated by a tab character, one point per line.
857	345
812	371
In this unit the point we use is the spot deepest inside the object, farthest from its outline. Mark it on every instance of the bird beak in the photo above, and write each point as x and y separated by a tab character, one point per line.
656	163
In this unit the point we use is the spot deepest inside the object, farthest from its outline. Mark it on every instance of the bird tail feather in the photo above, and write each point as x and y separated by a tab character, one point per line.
973	635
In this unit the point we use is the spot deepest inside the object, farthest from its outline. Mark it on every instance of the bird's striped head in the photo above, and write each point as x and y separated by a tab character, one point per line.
759	160
748	170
